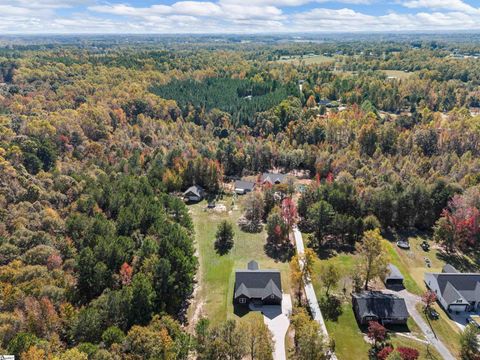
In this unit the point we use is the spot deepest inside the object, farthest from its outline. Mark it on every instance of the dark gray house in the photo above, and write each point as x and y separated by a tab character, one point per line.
394	277
194	193
377	306
262	287
273	179
242	187
455	291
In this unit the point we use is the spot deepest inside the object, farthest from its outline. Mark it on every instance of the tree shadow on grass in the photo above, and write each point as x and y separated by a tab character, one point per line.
460	262
282	252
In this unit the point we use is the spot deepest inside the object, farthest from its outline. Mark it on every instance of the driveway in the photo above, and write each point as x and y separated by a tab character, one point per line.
411	301
277	319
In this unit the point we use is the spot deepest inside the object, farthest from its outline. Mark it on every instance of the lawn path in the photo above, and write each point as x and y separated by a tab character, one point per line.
310	292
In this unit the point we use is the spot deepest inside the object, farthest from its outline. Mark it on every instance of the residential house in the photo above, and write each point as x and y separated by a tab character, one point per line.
456	291
243	187
378	306
261	287
194	193
273	179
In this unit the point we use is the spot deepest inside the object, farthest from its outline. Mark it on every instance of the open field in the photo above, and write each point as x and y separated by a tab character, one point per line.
399	74
306	59
217	275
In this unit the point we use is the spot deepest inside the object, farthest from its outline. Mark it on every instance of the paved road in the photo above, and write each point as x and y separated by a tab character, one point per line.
278	321
412	300
309	290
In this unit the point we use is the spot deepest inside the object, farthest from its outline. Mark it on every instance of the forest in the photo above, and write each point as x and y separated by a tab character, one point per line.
97	254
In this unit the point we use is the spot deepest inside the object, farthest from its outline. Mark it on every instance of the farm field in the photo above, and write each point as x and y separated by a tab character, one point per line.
217	273
307	59
399	74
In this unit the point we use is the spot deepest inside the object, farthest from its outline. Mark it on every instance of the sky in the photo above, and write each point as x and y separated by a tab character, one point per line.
235	16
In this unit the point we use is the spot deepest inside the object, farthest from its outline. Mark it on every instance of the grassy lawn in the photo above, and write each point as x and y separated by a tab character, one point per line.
444	329
217	275
349	339
307	60
350	342
399	74
399	260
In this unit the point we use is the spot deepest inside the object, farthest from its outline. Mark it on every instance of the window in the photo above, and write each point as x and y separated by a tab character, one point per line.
242	300
272	296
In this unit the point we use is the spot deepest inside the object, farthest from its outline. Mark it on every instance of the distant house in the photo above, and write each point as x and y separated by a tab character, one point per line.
262	287
455	291
243	187
194	193
377	306
273	179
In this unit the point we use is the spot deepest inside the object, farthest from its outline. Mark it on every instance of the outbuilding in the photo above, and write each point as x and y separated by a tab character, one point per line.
243	187
194	193
394	277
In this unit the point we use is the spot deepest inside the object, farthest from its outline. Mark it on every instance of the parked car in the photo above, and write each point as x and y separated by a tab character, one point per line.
425	246
403	245
475	320
211	205
428	263
432	313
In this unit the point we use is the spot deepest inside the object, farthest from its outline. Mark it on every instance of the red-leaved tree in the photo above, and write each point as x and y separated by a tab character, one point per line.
383	354
126	274
376	332
429	298
408	353
289	212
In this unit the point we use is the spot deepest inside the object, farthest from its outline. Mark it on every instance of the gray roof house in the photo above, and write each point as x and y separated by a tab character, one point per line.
243	187
455	291
377	306
194	193
394	277
262	287
273	179
449	269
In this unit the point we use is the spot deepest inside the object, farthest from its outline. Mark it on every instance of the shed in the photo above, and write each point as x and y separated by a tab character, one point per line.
394	276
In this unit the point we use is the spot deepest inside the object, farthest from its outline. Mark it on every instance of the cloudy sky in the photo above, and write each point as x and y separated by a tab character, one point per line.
235	16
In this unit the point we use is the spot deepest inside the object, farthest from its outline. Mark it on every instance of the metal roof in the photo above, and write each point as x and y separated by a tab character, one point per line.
393	273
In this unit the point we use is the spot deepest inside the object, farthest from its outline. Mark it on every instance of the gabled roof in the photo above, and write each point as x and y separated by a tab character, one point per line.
195	190
273	178
255	283
455	286
449	269
393	273
381	305
244	185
